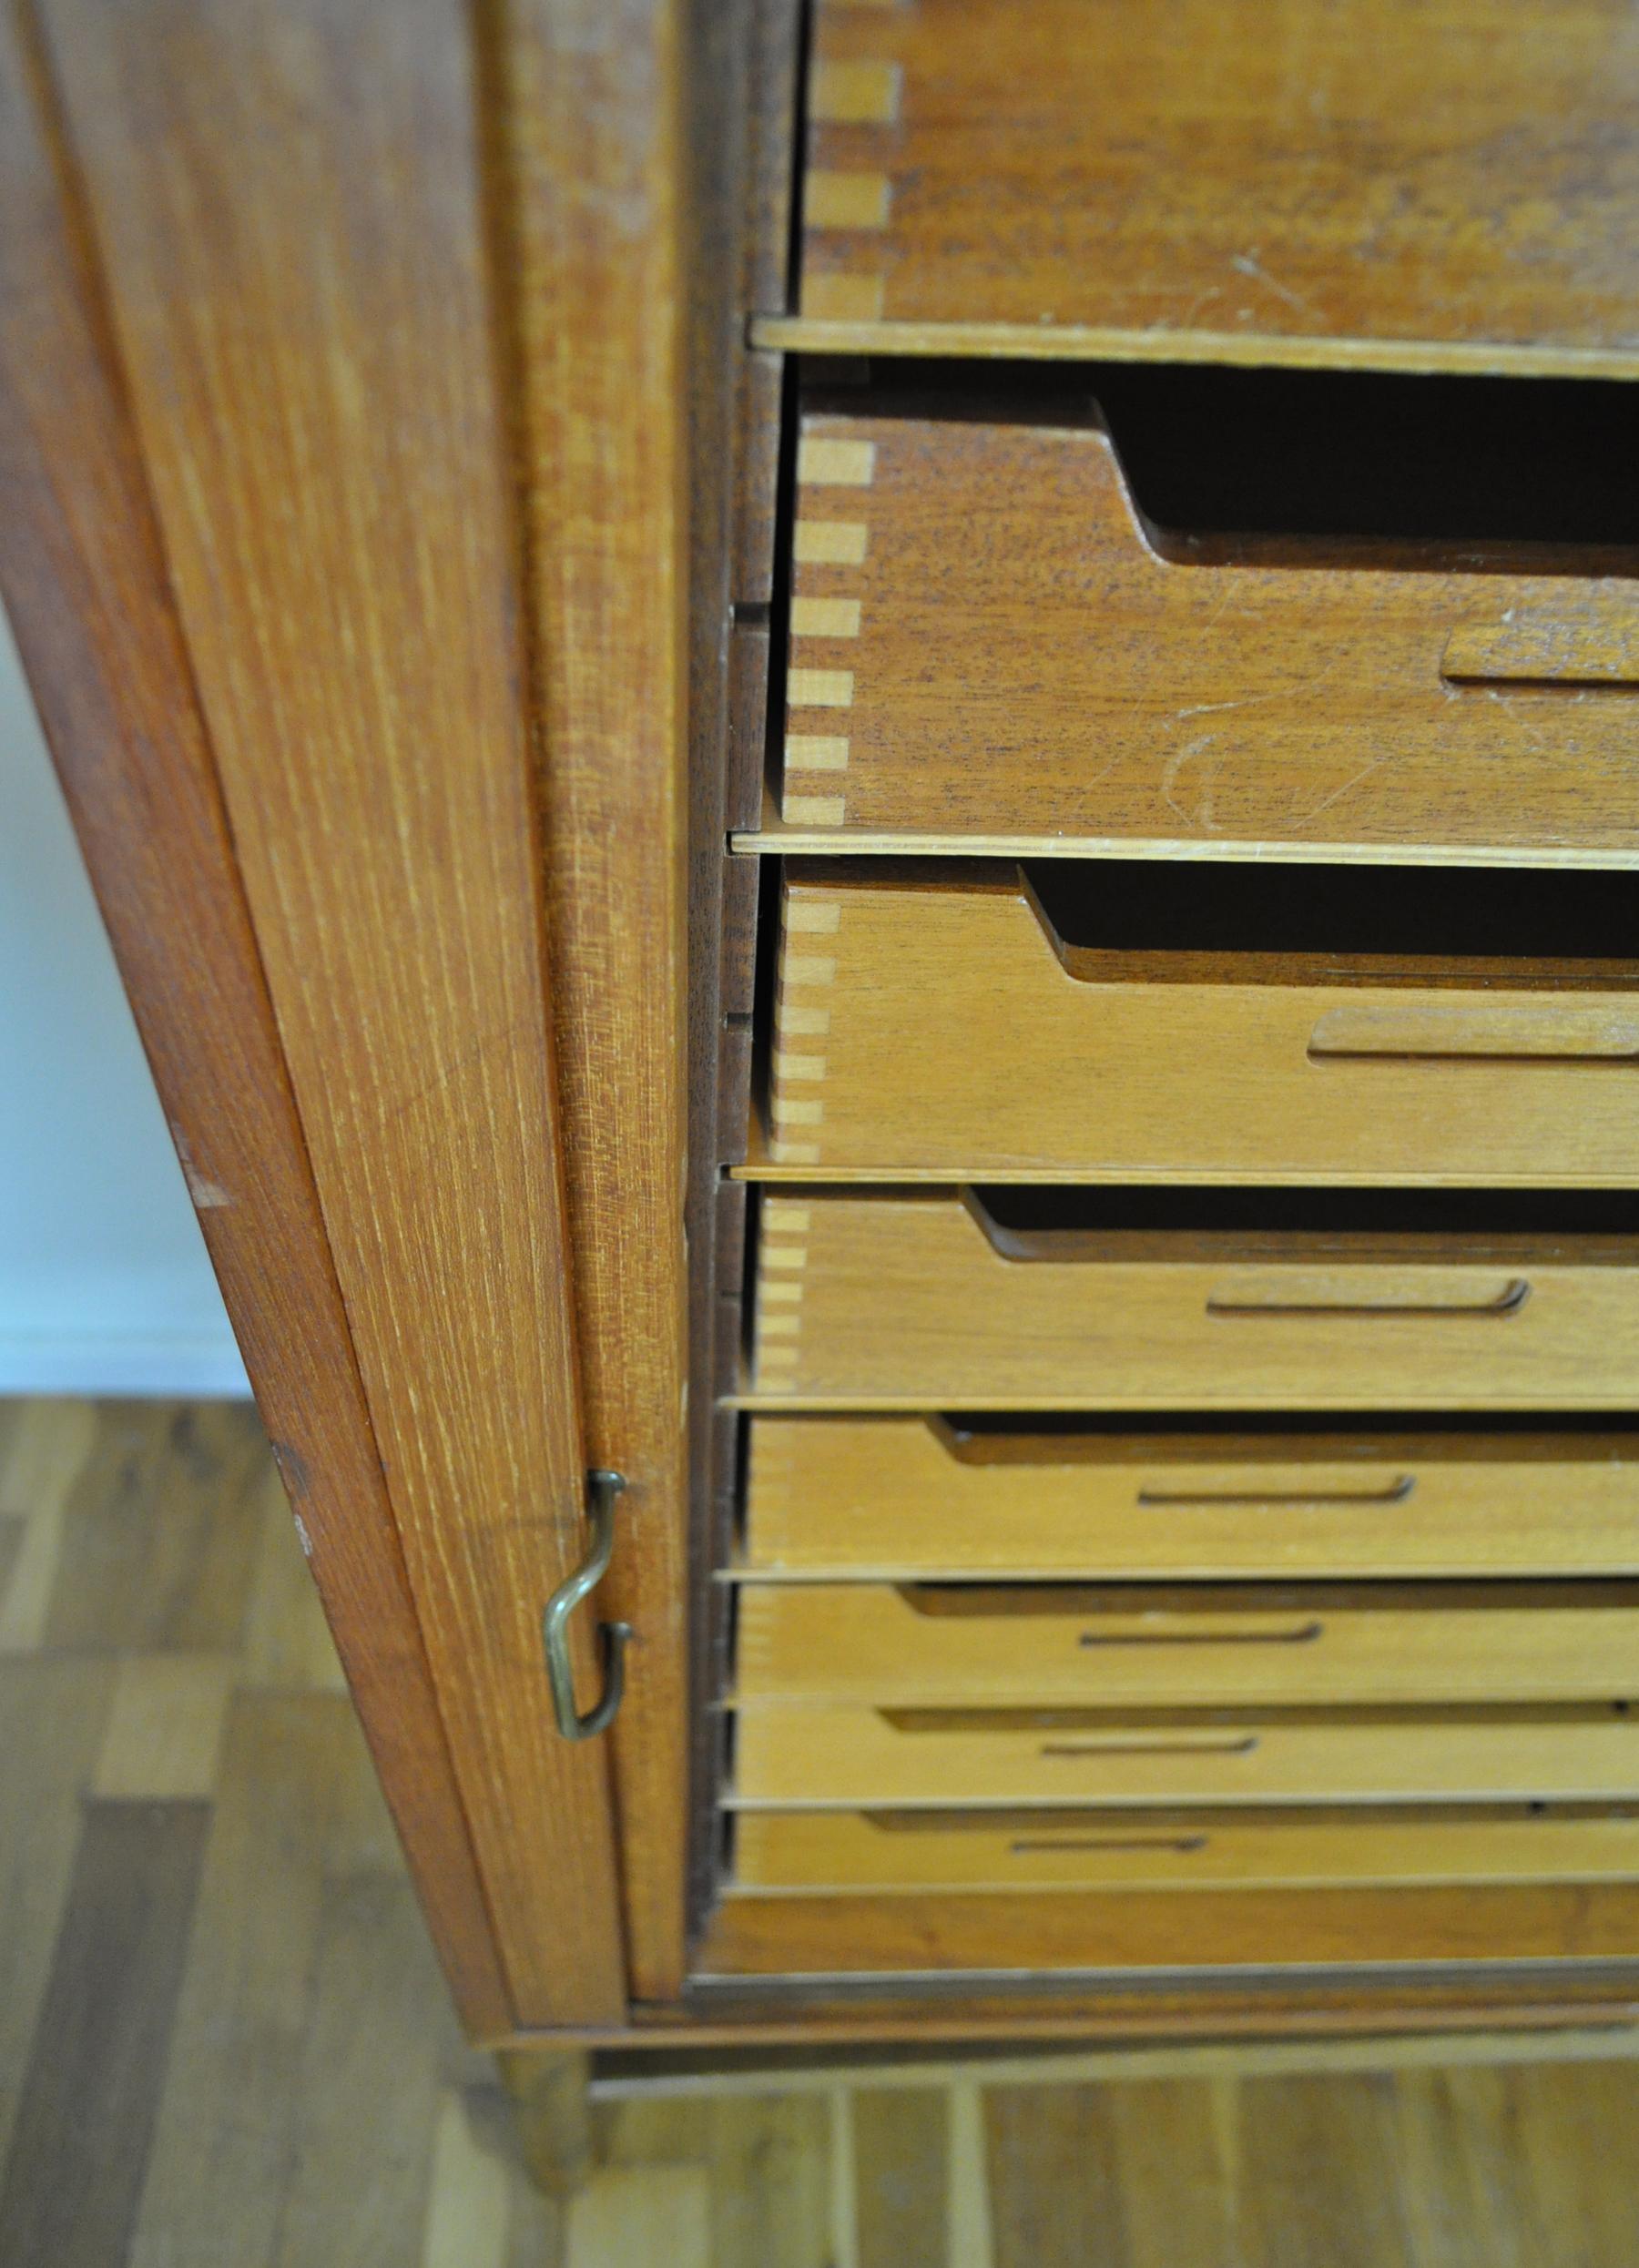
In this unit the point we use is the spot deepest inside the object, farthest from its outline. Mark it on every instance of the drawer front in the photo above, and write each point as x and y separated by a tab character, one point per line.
908	1495
927	1027
1174	1851
967	1647
908	1301
800	1754
1191	179
985	641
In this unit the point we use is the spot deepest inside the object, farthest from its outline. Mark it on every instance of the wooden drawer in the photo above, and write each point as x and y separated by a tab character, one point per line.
912	1301
1179	1850
919	1497
936	1020
1107	1945
973	1646
798	1755
985	640
1106	180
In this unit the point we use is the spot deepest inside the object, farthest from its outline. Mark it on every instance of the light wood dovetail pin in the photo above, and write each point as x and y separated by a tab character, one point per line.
824	627
802	1025
850	206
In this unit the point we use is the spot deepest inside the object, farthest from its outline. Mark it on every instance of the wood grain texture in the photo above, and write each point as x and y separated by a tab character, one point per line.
159	1531
767	2160
165	1728
466	2205
1380	175
1454	2000
593	126
328	456
895	1936
70	2188
943	1024
900	2150
1168	1850
1055	2177
355	2171
283	2036
1066	670
45	1448
1022	1647
772	837
859	336
553	2117
641	2212
88	587
40	1822
764	280
848	1755
911	1496
906	1301
288	1995
1468	2167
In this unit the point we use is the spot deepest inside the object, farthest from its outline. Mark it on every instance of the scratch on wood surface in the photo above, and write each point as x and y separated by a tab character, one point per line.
208	1195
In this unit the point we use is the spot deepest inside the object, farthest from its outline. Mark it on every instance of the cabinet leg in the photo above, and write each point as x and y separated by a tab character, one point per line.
548	2091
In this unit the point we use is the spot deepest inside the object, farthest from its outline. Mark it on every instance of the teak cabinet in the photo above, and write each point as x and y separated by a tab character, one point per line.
870	779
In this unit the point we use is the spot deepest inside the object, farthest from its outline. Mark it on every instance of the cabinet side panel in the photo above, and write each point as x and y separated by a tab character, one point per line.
287	200
85	585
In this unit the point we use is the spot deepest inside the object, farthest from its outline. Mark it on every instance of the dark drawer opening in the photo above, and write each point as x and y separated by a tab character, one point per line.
1032	1208
997	1436
1418	914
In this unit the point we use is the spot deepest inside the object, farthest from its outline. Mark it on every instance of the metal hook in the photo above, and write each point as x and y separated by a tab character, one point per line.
602	1489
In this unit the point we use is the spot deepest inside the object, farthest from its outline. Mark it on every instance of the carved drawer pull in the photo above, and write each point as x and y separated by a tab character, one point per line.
1224	1745
1031	1846
1508	1301
1397	1491
1598	647
1301	1635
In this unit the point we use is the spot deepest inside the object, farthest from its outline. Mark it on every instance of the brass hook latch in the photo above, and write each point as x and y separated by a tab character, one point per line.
602	1489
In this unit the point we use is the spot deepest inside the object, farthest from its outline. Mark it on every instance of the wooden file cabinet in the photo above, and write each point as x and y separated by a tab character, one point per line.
882	867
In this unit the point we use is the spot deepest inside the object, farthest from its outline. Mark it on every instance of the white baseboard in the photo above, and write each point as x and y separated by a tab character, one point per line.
194	1366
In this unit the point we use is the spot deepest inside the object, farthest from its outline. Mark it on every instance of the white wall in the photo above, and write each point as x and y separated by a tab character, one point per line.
105	1287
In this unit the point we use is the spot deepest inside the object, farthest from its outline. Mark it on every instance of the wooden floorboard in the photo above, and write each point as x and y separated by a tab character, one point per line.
80	2142
224	2042
52	1714
901	2178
